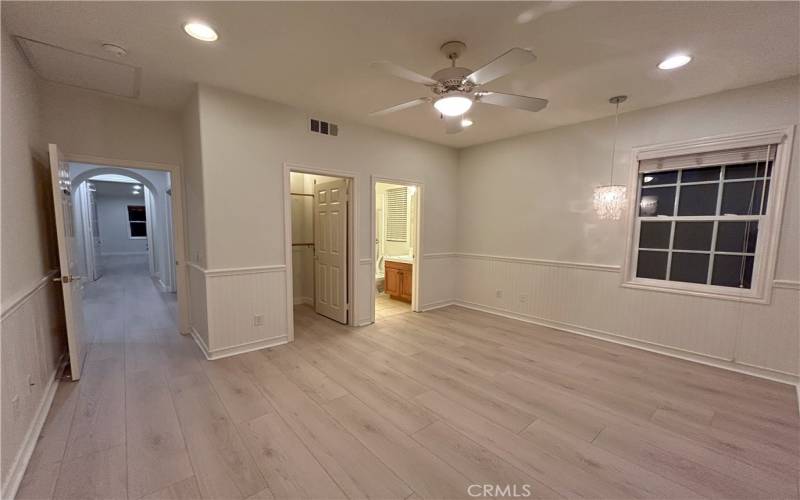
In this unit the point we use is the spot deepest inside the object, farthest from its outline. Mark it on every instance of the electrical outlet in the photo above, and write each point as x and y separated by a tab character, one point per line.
523	298
498	294
258	320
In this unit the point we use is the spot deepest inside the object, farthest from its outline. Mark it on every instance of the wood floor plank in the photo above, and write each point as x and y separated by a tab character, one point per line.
477	463
53	439
99	421
561	476
312	381
677	466
185	489
354	468
156	453
636	481
400	411
291	471
425	473
99	475
223	467
237	391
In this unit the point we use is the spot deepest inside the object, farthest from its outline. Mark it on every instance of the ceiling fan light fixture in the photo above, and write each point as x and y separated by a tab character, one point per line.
453	104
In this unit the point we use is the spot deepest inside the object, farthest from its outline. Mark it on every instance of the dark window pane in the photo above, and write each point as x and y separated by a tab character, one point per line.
761	169
731	236
654	235
689	267
654	179
657	201
698	199
731	270
315	125
652	265
136	213
766	198
693	235
138	229
741	198
741	171
700	174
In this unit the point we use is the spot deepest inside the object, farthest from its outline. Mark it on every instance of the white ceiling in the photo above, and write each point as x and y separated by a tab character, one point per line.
315	56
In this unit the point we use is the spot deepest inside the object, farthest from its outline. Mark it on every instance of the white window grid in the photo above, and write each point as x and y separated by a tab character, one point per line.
716	219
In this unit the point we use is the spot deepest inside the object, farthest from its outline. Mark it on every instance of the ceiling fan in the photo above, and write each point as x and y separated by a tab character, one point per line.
456	89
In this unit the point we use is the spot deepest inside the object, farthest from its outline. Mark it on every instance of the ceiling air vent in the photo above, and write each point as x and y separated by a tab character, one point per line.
324	128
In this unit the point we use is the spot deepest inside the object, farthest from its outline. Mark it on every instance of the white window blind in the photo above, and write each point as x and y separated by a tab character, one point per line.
397	214
710	158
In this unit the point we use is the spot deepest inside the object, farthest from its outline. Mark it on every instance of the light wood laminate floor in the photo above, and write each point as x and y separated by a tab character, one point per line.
417	405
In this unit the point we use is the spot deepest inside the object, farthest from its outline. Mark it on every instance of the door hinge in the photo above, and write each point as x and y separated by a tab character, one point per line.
67	279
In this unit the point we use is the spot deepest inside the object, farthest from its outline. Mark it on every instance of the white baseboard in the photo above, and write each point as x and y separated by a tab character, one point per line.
430	306
17	469
775	376
303	300
237	349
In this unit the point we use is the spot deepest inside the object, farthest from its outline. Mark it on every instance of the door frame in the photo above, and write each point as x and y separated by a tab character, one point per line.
352	232
178	217
416	272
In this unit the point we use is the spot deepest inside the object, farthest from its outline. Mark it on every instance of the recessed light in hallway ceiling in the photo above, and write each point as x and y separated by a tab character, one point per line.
200	31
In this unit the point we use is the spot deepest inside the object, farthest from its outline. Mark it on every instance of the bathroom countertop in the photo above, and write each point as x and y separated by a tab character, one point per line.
403	258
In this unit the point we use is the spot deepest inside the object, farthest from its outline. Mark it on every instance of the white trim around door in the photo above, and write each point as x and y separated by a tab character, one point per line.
352	232
418	246
178	220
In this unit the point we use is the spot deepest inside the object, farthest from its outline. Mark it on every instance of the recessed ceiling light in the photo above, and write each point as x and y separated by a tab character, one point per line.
466	122
675	61
201	31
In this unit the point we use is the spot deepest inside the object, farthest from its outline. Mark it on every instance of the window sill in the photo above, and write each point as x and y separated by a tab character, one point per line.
711	292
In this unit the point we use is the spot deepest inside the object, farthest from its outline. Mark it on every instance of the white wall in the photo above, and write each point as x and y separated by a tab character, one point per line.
112	214
529	198
245	138
32	324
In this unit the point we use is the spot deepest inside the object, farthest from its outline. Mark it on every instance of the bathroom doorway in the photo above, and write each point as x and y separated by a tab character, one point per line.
396	247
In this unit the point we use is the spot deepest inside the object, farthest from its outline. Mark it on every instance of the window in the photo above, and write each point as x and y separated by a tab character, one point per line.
397	214
137	221
703	219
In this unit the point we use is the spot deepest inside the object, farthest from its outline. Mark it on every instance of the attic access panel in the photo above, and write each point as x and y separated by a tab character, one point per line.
67	67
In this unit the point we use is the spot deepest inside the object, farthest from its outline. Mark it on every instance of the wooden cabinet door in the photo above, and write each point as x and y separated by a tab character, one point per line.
405	284
392	281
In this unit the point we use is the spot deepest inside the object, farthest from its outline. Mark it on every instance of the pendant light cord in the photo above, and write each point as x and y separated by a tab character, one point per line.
614	146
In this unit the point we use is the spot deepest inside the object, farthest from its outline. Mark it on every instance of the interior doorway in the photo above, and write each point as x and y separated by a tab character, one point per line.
123	225
321	222
396	222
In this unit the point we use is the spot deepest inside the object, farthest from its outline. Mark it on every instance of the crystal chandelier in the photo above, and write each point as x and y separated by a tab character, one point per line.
609	200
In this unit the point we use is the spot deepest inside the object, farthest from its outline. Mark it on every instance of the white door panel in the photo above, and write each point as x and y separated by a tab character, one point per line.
70	277
330	244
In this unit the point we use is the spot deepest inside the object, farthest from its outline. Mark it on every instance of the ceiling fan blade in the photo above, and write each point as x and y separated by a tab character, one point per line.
400	107
452	124
401	72
501	66
512	101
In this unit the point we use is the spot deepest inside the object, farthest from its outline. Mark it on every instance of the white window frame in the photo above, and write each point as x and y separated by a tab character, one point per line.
128	219
769	224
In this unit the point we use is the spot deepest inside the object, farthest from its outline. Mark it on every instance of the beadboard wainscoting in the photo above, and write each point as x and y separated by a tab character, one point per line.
245	309
587	299
438	280
366	283
33	346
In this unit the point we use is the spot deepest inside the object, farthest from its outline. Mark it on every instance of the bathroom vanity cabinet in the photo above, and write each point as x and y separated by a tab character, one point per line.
398	276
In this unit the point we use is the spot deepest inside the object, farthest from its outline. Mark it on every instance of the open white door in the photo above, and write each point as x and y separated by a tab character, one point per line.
330	249
70	277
